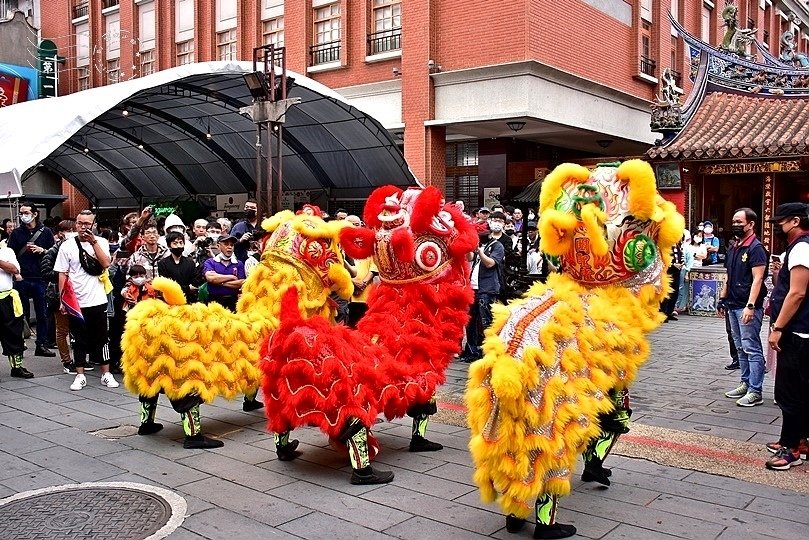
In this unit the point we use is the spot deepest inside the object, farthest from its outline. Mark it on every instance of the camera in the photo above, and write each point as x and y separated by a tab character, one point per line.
258	234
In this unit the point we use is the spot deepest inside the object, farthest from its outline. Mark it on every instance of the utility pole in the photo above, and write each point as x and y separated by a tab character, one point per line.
268	86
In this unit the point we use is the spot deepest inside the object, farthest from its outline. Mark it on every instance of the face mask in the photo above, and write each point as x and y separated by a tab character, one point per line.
177	251
496	227
781	233
138	281
114	248
708	230
26	218
737	230
250	214
213	236
510	231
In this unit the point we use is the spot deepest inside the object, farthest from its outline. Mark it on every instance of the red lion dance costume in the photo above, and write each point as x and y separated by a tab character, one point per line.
340	379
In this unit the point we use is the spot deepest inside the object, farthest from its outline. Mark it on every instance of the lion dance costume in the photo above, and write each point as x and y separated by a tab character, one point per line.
557	362
339	379
194	353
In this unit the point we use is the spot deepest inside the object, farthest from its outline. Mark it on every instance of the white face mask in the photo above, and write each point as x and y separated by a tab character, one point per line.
26	218
138	281
496	227
214	236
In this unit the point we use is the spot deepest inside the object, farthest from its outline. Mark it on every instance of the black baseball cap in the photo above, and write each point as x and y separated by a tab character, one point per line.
788	210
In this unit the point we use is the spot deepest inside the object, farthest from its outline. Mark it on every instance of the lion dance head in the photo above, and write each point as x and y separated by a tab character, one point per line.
413	235
609	226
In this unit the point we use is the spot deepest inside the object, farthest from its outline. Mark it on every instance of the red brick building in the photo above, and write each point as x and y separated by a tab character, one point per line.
485	95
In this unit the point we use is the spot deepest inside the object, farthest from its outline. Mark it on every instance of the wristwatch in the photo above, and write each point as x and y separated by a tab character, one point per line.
777	328
750	306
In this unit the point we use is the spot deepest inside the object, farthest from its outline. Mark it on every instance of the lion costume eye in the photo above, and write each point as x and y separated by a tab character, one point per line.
428	256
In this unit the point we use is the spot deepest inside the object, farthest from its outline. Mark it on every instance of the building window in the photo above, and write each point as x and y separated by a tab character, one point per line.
226	45
84	78
706	23
185	52
113	71
105	4
81	8
146	62
326	47
647	63
387	34
675	63
274	32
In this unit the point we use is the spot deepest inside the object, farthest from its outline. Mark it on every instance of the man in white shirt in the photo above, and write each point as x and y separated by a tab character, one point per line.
82	262
11	314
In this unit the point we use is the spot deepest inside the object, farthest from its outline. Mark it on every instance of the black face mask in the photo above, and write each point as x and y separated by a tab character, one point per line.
780	232
250	214
738	230
177	251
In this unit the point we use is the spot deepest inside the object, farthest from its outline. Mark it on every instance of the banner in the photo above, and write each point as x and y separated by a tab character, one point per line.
12	90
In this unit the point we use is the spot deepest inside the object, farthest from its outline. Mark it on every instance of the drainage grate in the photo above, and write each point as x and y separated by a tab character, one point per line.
120	510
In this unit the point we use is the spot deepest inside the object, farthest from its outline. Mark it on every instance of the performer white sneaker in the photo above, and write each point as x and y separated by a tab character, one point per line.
109	381
79	382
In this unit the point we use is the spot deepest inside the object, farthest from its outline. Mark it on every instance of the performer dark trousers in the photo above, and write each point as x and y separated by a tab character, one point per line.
792	388
734	354
355	312
11	329
667	305
90	335
34	288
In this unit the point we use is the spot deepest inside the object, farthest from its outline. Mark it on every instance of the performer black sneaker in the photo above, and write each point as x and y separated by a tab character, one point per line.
288	452
202	442
149	428
21	373
557	530
368	476
420	444
514	524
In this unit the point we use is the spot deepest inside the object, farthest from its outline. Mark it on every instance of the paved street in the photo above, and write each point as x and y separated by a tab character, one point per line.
242	490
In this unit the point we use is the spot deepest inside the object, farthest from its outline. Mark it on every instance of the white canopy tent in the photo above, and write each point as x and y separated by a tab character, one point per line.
179	132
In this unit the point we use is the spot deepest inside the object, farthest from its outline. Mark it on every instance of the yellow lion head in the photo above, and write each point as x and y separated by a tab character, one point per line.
608	226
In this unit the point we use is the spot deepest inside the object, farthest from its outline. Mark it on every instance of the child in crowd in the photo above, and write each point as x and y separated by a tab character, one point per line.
138	287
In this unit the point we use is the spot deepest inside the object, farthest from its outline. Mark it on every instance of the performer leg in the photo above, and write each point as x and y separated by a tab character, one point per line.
363	473
421	416
148	409
612	427
15	361
251	403
285	449
188	407
546	519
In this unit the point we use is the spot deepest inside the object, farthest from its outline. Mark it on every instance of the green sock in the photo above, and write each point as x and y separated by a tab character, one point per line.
420	422
358	450
191	425
546	509
148	410
15	360
281	439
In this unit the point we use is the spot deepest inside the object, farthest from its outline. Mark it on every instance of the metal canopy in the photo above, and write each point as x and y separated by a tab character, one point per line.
149	138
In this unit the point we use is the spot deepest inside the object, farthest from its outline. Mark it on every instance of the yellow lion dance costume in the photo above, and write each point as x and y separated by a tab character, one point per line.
196	352
555	359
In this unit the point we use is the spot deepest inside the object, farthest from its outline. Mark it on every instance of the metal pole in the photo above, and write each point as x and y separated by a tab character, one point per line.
271	206
259	197
279	154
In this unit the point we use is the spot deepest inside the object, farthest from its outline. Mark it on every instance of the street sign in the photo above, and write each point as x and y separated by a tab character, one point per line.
48	69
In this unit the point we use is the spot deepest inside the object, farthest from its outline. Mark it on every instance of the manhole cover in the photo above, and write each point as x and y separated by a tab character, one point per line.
122	510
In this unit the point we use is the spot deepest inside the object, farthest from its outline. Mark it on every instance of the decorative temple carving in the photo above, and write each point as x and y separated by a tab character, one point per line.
736	40
667	114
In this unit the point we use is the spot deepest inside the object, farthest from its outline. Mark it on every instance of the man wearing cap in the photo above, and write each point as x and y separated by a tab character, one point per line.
789	335
742	297
224	274
481	222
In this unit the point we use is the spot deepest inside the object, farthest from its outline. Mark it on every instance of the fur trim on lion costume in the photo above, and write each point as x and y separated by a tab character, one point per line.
209	351
551	357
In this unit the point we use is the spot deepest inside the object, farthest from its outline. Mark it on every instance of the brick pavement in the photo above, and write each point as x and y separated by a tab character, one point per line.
242	489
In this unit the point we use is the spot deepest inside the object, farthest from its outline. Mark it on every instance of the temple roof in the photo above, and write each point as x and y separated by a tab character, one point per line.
727	125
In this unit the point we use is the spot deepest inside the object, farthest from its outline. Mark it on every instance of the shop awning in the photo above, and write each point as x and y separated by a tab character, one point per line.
178	132
728	125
